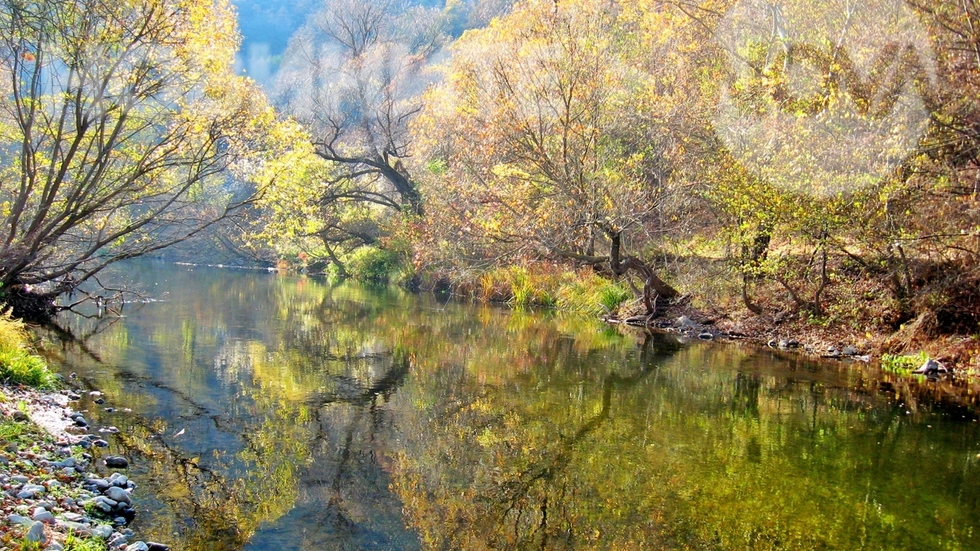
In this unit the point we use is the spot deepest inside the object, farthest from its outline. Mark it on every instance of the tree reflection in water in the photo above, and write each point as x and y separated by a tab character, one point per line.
319	417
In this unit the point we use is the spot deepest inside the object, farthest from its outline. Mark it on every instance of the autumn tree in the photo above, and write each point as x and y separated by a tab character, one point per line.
542	147
117	122
350	75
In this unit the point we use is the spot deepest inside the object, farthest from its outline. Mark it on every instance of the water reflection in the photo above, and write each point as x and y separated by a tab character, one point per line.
282	413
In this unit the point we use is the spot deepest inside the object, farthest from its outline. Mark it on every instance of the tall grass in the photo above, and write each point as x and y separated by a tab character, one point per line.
583	292
18	365
589	293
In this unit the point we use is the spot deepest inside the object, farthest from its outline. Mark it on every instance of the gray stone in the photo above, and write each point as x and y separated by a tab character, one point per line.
30	491
20	479
850	351
157	546
100	483
36	533
118	494
72	517
138	546
119	480
105	504
102	531
100	443
19	520
931	367
20	417
78	528
684	322
116	462
43	515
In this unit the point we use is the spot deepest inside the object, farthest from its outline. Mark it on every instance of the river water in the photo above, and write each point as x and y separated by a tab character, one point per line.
263	412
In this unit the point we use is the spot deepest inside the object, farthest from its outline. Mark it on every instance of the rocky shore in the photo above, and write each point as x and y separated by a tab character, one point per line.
59	490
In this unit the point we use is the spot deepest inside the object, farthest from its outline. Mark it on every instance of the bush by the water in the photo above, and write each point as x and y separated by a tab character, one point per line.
373	264
17	364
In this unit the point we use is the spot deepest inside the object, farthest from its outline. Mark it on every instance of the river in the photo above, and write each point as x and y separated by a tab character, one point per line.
263	412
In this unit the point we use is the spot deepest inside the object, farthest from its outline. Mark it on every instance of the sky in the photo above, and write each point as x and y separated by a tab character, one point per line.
266	26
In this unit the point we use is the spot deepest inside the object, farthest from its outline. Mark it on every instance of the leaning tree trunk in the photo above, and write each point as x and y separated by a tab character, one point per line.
653	286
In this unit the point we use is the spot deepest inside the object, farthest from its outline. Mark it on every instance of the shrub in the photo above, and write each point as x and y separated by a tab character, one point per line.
373	264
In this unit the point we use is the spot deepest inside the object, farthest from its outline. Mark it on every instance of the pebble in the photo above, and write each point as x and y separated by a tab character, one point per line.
118	479
43	515
98	483
19	520
116	493
116	462
102	531
30	491
80	528
54	481
36	533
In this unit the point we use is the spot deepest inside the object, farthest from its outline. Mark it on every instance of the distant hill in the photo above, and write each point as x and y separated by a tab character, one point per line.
266	26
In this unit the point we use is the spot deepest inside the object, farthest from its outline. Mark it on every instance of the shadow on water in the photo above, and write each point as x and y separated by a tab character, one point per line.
265	412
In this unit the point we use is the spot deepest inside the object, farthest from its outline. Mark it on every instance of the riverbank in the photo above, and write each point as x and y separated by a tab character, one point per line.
60	491
865	330
956	355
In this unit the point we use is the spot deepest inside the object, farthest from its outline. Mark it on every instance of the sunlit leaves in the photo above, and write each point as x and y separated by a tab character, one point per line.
120	119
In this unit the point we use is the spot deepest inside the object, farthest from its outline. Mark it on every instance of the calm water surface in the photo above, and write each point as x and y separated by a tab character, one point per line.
281	413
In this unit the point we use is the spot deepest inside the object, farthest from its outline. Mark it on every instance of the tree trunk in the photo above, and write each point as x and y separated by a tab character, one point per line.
404	185
653	286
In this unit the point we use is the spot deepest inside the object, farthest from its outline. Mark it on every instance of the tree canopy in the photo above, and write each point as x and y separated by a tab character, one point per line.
118	123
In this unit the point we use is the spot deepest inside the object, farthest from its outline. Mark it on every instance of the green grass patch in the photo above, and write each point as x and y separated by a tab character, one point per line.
75	543
903	364
18	365
592	294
